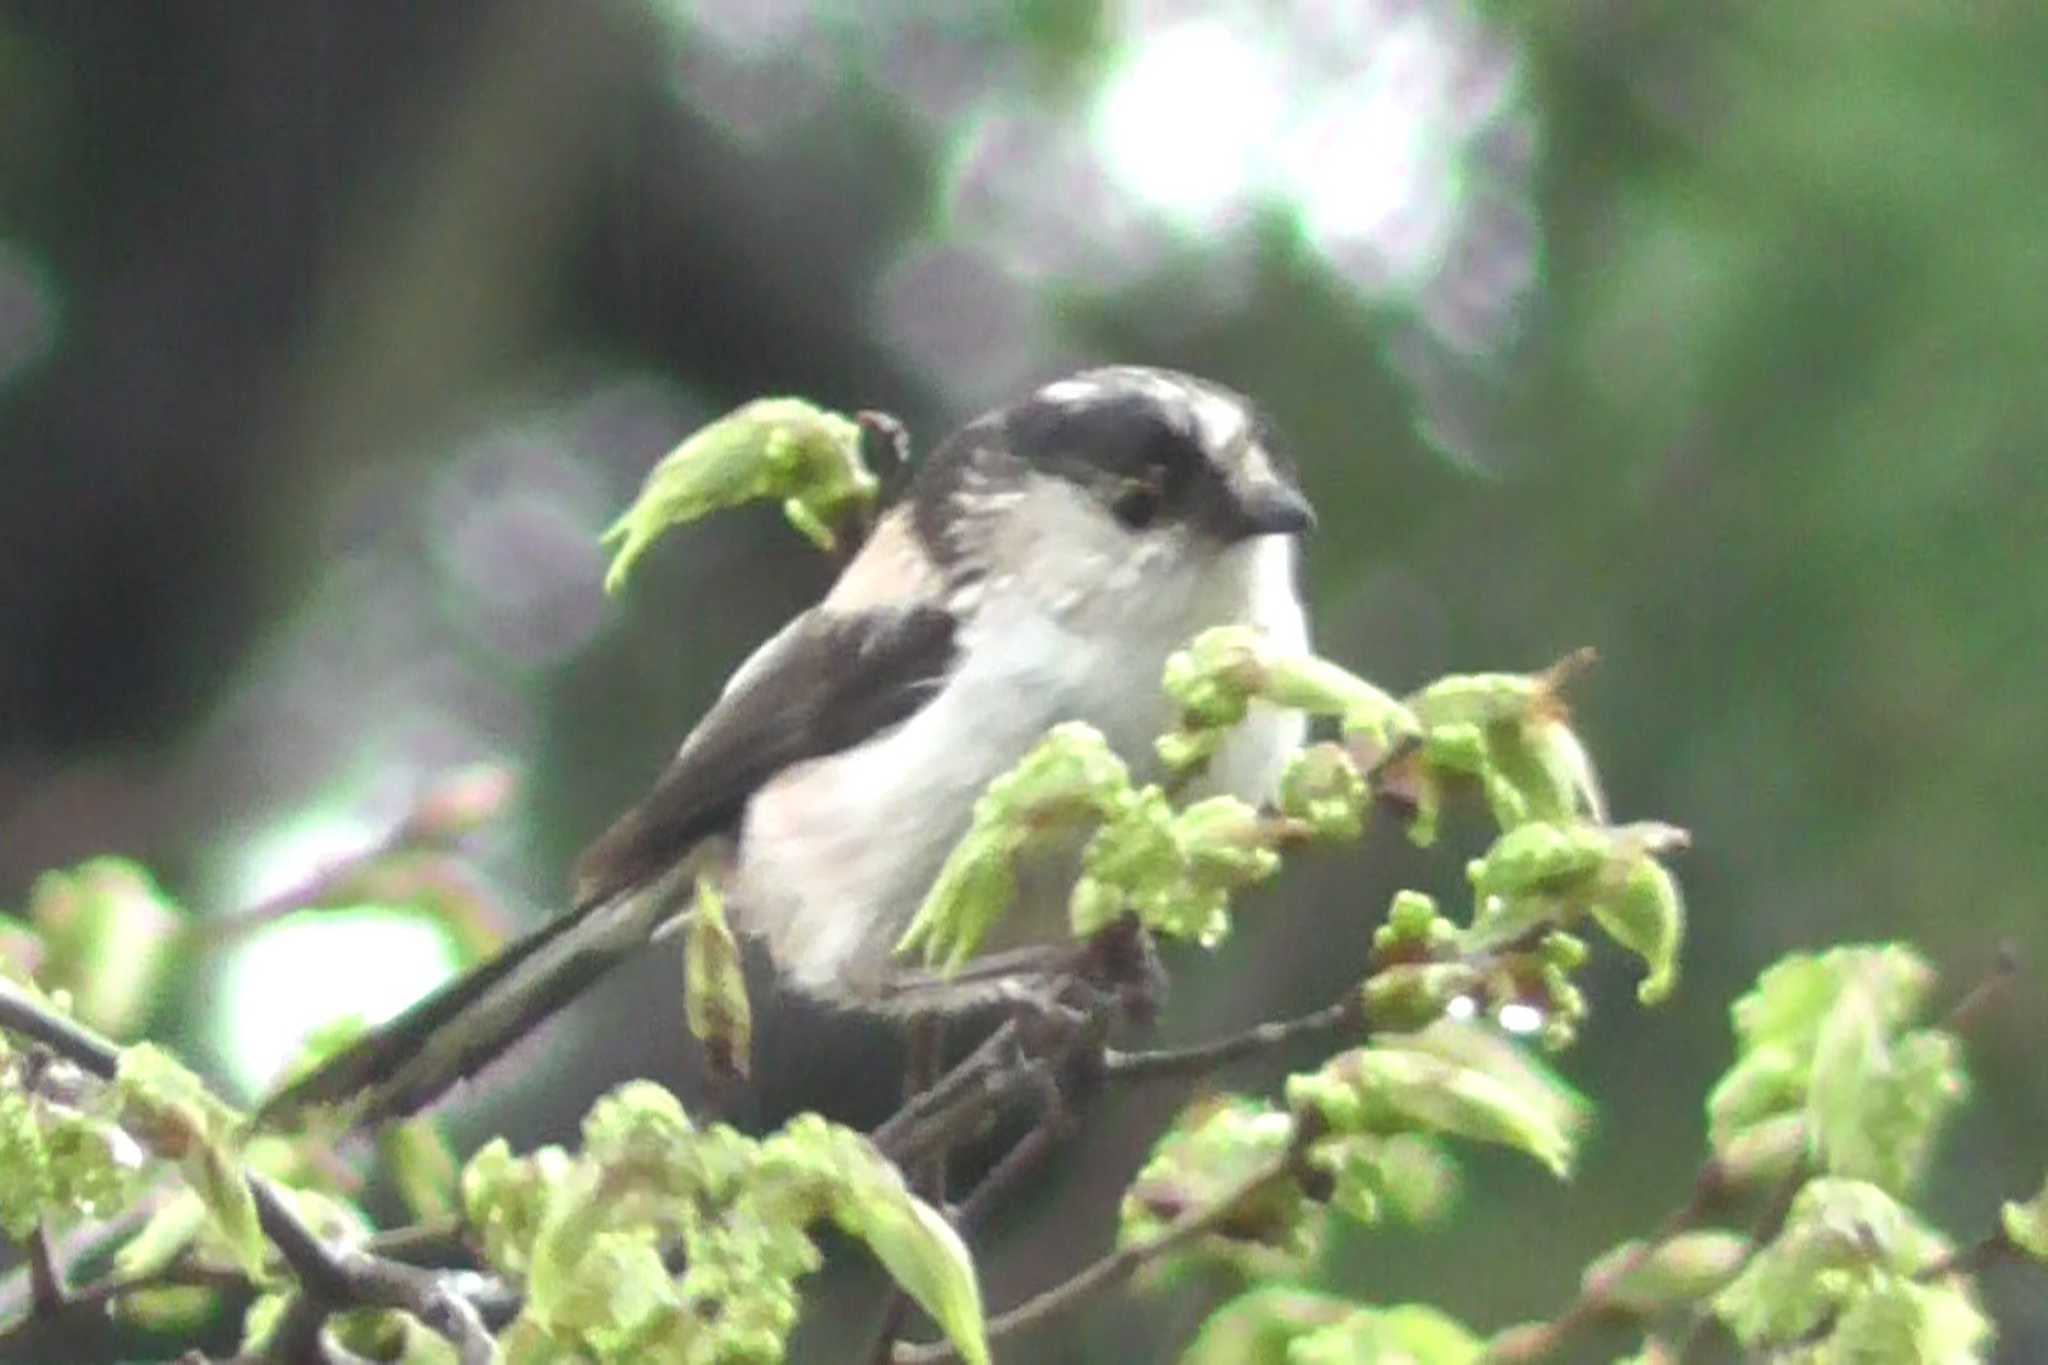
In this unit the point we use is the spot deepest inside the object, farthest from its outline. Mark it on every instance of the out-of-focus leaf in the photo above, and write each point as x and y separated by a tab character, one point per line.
1455	1077
1823	1040
2026	1224
505	1197
867	1198
1876	1103
1846	1258
24	1164
1258	1327
1406	1174
924	1255
423	1167
1409	1334
1211	1150
1681	1270
109	934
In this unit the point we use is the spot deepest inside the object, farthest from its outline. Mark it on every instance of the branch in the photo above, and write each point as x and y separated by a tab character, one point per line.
330	1277
963	1099
1202	1058
1121	1264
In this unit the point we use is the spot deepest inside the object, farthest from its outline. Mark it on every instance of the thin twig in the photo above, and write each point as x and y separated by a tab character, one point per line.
1985	995
1203	1058
928	1122
1973	1259
1120	1265
1021	1160
1538	1341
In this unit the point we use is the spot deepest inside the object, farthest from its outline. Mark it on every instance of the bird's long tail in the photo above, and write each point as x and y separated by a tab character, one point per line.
451	1034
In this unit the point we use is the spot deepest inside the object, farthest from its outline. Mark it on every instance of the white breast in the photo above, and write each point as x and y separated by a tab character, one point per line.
837	853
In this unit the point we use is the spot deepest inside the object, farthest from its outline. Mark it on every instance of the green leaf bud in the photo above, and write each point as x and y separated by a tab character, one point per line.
1214	679
1323	788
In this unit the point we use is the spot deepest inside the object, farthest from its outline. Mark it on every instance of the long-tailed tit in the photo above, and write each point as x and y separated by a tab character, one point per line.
1039	567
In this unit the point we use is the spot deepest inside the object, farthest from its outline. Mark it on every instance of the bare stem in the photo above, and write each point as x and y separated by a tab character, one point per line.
1202	1058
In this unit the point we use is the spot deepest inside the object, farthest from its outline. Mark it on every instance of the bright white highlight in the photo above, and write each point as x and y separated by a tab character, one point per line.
313	969
1187	119
292	854
1461	1007
1522	1019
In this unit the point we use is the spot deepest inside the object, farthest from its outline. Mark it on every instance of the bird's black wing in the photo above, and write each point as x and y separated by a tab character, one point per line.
829	681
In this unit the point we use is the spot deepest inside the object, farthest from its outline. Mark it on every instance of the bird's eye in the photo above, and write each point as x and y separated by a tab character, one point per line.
1137	502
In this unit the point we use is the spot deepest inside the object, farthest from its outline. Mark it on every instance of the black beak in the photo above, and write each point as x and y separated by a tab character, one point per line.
1271	508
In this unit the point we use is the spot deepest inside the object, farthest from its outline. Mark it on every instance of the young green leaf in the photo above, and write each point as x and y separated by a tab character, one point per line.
923	1254
1453	1079
25	1184
1396	1087
1846	1259
1646	915
866	1197
1211	1150
506	1197
1069	780
771	448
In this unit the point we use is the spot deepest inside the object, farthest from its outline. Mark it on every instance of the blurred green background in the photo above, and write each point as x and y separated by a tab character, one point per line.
1711	334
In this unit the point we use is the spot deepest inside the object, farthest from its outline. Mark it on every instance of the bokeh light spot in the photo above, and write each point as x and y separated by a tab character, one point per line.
315	968
1187	117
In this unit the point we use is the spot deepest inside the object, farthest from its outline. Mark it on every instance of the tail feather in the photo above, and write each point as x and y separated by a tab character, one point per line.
406	1063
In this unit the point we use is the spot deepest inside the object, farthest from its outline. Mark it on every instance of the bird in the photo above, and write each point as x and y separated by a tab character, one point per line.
1037	567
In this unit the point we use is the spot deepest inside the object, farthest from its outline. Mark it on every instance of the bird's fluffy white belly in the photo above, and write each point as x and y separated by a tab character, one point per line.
837	854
